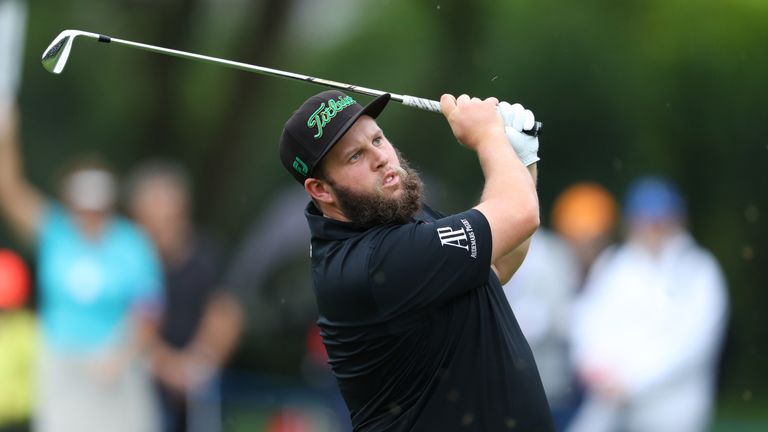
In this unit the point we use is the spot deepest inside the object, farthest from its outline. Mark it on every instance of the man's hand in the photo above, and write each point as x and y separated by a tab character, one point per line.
473	121
516	119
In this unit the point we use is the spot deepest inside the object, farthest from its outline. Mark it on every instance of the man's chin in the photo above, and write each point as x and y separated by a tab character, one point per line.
394	203
394	192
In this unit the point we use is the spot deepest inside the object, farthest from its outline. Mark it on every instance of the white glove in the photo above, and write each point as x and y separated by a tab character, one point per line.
516	119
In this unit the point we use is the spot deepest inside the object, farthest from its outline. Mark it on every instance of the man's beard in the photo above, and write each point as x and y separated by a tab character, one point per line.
365	210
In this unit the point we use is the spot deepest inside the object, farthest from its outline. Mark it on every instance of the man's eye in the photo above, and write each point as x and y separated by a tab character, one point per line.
377	141
354	157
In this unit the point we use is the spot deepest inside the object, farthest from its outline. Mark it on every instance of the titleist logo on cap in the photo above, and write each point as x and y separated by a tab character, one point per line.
325	114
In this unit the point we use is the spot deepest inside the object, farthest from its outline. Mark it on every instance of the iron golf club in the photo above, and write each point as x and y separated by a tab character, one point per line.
56	55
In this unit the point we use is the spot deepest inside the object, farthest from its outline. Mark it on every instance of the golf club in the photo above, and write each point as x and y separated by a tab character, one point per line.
56	55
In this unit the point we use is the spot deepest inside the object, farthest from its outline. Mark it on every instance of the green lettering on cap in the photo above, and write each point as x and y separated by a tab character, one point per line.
325	114
300	166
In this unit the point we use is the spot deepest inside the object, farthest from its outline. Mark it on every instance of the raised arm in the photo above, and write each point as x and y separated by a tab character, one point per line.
509	201
20	202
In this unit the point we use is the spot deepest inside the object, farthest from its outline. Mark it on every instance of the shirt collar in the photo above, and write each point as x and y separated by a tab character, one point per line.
326	228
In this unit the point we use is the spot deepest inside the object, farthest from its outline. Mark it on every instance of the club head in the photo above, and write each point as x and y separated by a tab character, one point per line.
56	55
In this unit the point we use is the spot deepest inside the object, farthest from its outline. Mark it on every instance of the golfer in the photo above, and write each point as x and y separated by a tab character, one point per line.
418	331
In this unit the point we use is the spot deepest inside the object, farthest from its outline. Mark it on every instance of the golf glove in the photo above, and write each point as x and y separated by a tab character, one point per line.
516	119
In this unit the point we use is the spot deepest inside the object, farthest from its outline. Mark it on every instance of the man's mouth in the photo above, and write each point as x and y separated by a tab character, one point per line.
391	179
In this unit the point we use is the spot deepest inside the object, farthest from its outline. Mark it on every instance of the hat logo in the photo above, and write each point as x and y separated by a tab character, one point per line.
325	114
300	166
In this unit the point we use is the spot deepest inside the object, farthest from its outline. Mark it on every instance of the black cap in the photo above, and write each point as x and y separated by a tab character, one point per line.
318	124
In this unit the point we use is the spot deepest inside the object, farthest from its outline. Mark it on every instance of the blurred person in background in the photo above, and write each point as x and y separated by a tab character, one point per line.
282	339
200	323
99	281
18	343
585	215
541	294
649	326
18	326
546	286
13	26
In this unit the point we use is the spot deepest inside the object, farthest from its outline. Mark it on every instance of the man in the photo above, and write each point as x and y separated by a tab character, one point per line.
648	329
412	313
201	321
276	290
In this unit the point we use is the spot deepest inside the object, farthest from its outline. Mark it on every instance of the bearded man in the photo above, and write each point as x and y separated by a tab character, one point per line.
412	313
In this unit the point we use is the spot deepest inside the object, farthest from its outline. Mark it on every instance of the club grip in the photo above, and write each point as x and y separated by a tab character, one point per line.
434	106
420	103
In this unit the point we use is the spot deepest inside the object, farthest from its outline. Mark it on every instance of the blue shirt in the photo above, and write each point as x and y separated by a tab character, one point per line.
89	287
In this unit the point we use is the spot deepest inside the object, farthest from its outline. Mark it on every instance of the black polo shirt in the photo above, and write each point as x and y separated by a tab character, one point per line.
418	331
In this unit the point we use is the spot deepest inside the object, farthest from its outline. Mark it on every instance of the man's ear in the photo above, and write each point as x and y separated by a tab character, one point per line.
318	190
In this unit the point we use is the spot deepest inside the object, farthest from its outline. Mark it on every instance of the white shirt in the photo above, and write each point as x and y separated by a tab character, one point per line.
656	321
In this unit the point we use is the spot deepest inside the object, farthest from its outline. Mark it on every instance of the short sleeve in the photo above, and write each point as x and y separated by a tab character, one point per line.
423	265
54	221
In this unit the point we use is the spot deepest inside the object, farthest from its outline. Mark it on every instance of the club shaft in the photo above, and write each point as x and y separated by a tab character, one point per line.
425	104
412	101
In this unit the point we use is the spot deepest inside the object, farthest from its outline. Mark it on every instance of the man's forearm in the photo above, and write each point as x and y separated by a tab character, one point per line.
509	202
509	199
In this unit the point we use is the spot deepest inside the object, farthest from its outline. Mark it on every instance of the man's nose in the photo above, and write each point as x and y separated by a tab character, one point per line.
380	157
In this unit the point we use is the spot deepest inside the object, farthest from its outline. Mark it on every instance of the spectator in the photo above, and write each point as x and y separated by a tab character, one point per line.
585	215
541	294
277	287
648	329
544	289
13	28
201	322
99	283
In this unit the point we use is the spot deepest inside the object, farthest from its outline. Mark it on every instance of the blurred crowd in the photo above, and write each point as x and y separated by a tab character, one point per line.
120	313
137	315
624	311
